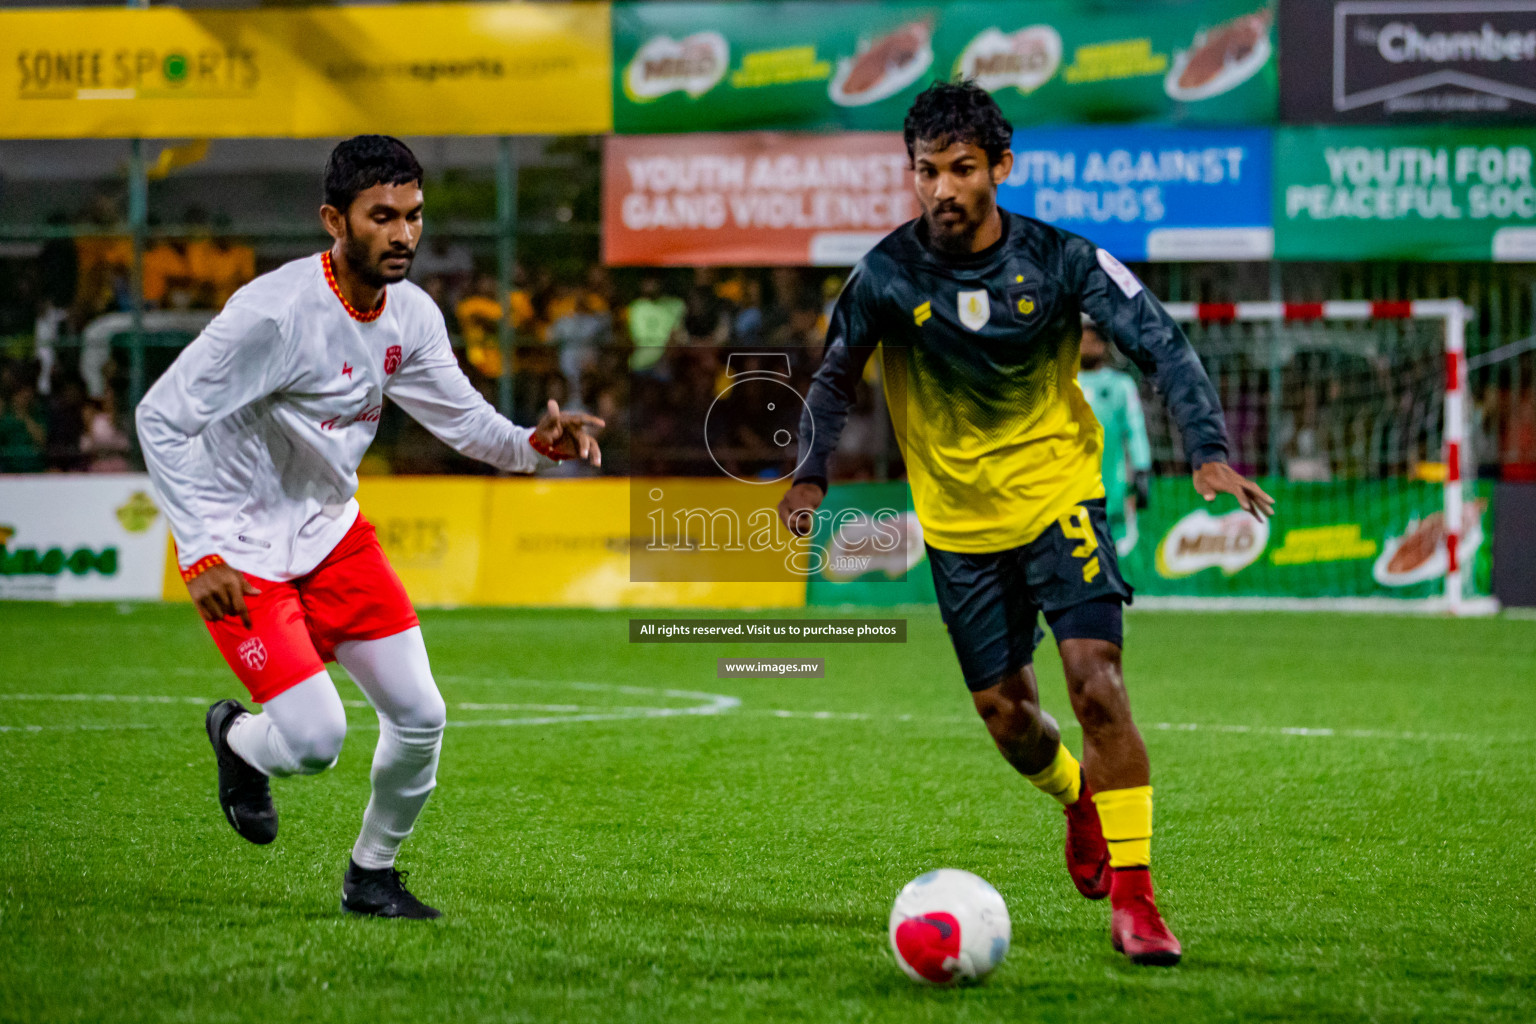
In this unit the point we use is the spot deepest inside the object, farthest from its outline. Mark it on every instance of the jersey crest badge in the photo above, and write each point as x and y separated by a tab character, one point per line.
975	309
391	359
1022	303
254	653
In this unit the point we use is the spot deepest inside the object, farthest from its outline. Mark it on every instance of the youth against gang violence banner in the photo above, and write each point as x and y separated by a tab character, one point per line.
431	68
1422	193
1388	61
796	64
1148	193
752	198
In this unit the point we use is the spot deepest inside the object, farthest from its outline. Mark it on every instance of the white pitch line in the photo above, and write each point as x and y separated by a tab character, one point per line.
712	704
1258	730
77	728
1326	733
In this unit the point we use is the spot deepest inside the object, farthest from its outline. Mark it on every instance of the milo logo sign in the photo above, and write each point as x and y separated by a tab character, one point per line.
1024	60
1230	542
693	65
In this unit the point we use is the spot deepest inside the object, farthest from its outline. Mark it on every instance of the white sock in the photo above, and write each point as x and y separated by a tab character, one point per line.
397	678
298	732
404	773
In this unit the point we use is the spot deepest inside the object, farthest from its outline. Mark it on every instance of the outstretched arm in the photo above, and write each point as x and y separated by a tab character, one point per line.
1143	330
434	391
832	392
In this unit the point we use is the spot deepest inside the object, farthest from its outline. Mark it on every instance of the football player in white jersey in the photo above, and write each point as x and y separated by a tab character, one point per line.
253	438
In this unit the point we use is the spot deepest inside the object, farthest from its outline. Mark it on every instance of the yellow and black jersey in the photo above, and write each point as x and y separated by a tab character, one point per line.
980	358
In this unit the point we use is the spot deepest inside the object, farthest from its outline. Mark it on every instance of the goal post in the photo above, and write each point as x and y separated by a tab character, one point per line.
1354	415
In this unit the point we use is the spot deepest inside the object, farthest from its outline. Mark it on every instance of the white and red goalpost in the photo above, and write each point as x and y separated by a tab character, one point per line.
1452	316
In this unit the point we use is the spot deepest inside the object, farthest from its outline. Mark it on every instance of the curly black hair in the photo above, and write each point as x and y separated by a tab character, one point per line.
364	161
962	111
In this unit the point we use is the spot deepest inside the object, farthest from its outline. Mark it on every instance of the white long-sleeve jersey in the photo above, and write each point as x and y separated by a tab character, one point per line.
254	435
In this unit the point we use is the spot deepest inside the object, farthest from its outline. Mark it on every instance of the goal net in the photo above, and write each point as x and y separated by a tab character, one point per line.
1352	415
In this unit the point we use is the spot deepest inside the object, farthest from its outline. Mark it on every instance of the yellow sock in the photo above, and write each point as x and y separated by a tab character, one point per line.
1062	778
1126	815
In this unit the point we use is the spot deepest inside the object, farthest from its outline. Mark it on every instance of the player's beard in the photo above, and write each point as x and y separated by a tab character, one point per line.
957	238
362	262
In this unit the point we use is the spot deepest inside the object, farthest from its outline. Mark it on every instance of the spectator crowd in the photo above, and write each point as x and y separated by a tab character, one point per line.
654	353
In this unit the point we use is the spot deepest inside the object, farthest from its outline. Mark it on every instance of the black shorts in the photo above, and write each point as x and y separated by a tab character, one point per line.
990	602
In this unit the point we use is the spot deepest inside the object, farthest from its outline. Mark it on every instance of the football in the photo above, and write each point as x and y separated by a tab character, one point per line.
949	927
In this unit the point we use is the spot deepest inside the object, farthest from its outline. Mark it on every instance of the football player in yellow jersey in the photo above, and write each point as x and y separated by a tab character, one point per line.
979	312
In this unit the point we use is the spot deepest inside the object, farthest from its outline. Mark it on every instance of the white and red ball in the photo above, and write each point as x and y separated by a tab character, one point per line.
949	926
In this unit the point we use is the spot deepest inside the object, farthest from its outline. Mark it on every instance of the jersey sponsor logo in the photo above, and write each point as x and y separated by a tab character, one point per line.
368	415
253	654
1021	302
391	359
1120	274
922	314
975	308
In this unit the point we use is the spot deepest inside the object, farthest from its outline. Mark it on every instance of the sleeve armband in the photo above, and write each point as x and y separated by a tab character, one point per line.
548	451
199	567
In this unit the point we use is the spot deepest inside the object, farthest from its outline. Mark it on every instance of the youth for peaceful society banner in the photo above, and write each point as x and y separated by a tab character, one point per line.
1422	193
752	198
1388	61
1149	193
727	66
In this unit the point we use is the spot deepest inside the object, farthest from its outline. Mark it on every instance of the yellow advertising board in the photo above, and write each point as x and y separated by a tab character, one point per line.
567	543
437	69
452	69
157	72
529	543
432	529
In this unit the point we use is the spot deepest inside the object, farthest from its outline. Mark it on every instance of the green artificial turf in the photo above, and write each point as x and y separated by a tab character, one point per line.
740	866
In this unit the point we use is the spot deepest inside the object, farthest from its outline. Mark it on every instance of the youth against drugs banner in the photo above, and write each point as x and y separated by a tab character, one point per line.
1148	193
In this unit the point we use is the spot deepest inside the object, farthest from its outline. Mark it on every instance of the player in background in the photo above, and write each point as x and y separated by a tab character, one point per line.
979	312
1127	460
253	438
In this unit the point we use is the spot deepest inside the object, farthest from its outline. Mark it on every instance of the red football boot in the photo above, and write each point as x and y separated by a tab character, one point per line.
1135	926
1087	852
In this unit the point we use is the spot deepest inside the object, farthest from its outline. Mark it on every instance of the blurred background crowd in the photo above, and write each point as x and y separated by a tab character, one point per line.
640	347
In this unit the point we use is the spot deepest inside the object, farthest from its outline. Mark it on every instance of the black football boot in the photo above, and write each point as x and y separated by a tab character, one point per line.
243	790
381	892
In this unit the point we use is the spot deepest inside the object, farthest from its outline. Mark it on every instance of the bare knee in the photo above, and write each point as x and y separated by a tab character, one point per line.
1009	718
1095	684
1025	735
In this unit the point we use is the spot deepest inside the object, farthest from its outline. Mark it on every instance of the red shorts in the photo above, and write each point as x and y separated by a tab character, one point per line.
353	594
